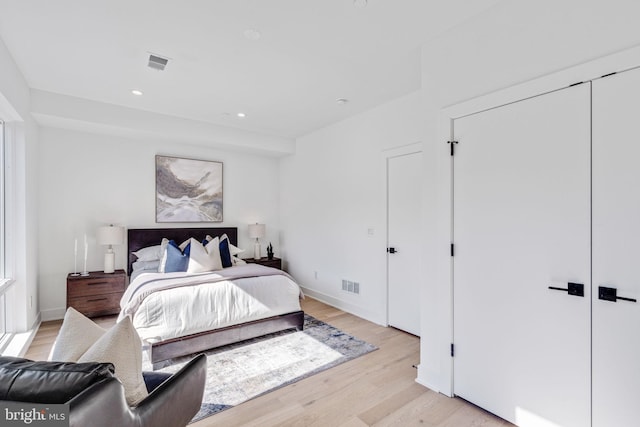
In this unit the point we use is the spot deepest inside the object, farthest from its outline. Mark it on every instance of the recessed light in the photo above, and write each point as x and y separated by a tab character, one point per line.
341	101
360	4
252	34
136	92
241	115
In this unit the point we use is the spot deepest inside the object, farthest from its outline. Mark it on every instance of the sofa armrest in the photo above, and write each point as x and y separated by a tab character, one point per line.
101	405
174	402
153	379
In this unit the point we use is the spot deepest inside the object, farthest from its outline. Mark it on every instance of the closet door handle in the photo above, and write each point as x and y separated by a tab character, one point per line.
611	294
575	289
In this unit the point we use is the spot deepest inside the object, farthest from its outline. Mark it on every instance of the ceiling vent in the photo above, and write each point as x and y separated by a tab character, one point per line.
157	62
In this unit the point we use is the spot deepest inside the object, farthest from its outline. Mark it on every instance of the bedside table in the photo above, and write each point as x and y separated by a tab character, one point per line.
97	294
274	262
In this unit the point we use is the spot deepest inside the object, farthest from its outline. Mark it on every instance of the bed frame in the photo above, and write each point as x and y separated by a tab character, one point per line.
139	238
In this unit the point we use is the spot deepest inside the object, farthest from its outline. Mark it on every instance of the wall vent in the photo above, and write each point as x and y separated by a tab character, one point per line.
157	62
349	286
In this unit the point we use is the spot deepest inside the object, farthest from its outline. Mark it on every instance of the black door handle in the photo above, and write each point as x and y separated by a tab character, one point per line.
575	289
611	294
391	250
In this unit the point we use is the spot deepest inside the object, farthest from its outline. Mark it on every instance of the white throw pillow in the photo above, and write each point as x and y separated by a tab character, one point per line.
76	335
121	346
204	258
233	250
237	261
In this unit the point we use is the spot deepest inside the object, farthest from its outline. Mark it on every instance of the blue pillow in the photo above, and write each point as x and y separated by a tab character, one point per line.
225	255
177	260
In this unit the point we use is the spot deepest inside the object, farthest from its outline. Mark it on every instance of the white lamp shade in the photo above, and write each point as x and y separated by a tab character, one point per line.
110	235
256	231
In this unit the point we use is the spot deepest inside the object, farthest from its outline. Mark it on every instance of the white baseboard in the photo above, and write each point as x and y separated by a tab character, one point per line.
345	306
53	314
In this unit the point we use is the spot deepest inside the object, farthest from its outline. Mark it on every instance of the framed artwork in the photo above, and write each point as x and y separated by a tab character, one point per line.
188	190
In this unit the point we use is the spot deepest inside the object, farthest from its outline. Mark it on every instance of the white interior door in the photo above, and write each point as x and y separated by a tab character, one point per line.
404	209
616	250
521	225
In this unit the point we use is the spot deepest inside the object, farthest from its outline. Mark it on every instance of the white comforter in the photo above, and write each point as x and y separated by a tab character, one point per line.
161	308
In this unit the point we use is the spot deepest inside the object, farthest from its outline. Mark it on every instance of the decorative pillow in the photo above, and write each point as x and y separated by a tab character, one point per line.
177	259
146	265
163	256
150	253
76	335
233	250
237	261
122	347
203	257
225	254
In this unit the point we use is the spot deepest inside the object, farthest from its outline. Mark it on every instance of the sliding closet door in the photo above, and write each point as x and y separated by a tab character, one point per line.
521	226
616	249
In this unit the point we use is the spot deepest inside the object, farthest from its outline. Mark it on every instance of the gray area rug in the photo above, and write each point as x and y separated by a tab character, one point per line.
242	371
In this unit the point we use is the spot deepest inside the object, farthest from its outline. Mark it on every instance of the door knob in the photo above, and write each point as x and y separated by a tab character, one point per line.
391	250
575	289
611	294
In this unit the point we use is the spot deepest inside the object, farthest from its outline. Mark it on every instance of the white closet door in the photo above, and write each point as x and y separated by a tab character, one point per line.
616	249
404	212
522	224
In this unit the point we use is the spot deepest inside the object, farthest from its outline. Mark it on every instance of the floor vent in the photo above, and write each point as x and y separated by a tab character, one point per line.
349	286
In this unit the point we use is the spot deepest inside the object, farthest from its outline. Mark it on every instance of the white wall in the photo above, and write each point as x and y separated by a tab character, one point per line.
87	180
22	233
332	191
511	43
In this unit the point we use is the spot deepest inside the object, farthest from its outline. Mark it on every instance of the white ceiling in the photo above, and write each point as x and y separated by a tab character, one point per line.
311	52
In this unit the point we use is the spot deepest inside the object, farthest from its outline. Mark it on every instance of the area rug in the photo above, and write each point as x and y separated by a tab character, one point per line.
243	371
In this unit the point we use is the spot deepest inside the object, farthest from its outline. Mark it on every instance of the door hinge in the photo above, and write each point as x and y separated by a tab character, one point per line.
452	249
452	144
452	350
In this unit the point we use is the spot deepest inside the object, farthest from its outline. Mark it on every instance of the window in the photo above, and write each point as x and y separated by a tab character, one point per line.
3	308
2	203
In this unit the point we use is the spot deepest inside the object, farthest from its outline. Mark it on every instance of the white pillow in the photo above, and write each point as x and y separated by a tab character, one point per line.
121	346
150	253
237	261
204	258
76	335
233	250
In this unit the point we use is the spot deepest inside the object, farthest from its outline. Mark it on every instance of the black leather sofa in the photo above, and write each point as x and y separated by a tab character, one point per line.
96	397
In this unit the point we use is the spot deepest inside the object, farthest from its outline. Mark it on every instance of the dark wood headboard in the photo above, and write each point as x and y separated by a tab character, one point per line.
139	238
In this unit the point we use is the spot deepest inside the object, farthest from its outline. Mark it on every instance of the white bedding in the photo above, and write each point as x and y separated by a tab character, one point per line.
219	302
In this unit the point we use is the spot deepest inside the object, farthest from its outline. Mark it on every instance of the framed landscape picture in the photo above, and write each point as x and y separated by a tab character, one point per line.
188	190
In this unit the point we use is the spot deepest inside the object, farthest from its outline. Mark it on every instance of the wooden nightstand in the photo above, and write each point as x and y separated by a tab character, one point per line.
97	294
274	262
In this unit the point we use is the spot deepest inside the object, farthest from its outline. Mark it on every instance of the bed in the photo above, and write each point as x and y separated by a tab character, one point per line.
185	313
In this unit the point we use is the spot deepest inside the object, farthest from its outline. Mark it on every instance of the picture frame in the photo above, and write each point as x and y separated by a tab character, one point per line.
188	190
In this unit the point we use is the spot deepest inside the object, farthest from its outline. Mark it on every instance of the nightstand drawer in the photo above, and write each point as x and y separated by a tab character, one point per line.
86	286
97	305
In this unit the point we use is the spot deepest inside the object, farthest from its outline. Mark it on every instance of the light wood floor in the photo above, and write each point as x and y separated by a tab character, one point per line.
377	389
